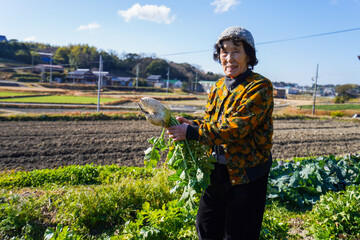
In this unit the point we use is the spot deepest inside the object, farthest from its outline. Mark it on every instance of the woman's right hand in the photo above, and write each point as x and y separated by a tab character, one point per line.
184	120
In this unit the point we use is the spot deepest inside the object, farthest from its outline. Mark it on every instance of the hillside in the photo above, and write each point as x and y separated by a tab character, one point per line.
22	54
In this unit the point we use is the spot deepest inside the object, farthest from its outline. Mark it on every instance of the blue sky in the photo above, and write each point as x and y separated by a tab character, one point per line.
168	27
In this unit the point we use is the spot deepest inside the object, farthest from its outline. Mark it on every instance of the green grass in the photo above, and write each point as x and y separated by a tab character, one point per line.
11	94
334	107
59	99
121	203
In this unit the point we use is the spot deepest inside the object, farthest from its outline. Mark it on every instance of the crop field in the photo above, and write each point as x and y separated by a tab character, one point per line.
334	107
41	144
58	99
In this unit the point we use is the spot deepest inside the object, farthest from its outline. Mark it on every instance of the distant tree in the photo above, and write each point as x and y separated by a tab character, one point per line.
158	67
345	89
212	76
142	82
345	92
132	57
83	56
61	55
185	87
23	56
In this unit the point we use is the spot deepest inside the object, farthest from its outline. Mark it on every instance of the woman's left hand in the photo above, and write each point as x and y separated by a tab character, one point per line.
177	132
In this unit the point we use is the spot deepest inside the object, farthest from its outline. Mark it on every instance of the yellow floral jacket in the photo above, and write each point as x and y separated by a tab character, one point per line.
245	128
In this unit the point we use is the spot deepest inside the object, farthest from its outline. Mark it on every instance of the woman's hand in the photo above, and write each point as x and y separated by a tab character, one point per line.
184	120
178	132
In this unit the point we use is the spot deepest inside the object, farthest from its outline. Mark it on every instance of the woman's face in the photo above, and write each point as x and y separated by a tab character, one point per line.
233	59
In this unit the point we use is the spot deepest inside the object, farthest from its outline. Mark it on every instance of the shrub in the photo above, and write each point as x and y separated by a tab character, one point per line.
166	223
337	114
73	175
337	215
20	214
341	99
97	209
7	70
274	224
28	79
89	210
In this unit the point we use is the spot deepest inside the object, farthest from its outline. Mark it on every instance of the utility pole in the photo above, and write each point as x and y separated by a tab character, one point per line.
32	61
99	84
196	79
317	70
137	76
51	56
51	68
167	83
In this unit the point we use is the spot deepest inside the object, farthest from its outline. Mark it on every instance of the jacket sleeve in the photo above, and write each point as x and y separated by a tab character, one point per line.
209	103
241	119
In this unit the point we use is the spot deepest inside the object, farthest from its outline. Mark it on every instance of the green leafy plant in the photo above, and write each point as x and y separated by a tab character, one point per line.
95	209
337	215
303	182
168	222
189	159
61	233
274	225
72	175
20	216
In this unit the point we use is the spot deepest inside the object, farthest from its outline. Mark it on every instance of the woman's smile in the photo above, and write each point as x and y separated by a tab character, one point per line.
233	59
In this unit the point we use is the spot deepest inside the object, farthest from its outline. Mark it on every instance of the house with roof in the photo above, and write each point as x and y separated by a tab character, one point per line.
122	81
155	81
204	86
82	76
279	92
105	76
173	83
3	39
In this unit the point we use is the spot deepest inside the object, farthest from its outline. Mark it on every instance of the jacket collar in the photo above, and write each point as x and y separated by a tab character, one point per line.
232	83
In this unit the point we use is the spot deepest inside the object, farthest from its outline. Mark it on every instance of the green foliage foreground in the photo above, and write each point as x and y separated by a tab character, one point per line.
112	202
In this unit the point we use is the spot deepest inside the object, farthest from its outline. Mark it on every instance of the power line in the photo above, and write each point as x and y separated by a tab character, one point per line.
261	43
273	41
309	36
180	53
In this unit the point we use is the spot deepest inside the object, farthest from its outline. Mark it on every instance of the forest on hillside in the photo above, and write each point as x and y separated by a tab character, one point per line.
76	56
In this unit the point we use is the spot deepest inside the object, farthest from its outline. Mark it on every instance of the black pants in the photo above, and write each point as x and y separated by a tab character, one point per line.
231	212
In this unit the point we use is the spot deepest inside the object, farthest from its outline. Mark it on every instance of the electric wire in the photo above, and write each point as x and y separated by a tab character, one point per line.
273	41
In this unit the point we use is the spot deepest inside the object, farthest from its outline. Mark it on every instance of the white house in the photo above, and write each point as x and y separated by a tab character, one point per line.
155	81
206	85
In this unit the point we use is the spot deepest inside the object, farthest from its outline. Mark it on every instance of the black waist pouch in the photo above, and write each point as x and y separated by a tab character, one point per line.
257	172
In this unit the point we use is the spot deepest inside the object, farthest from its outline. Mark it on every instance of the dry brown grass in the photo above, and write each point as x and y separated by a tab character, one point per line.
294	110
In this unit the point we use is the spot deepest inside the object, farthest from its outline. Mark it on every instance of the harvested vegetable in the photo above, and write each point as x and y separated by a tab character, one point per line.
188	158
155	112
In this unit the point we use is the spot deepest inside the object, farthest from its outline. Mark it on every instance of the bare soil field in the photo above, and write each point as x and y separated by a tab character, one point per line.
40	145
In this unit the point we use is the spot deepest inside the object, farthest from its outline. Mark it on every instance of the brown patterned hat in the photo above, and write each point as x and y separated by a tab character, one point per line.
239	33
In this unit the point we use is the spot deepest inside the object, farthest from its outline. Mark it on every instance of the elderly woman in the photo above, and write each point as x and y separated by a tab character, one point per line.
238	126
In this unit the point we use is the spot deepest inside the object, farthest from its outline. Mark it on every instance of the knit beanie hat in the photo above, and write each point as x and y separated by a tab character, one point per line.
239	33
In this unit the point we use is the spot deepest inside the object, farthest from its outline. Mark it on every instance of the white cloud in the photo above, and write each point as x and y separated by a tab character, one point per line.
224	5
153	13
90	26
30	39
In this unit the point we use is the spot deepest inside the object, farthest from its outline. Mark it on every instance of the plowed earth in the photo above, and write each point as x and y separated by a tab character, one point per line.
39	145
